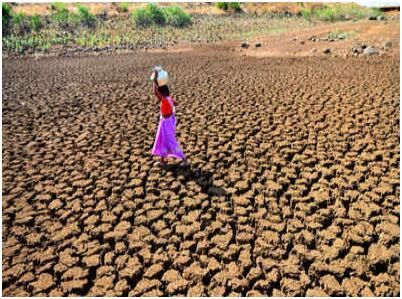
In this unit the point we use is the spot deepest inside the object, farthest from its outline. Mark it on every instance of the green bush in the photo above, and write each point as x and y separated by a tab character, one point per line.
85	17
6	17
235	6
307	13
222	5
36	23
232	6
153	15
58	6
150	15
60	14
339	12
326	14
122	7
20	24
176	17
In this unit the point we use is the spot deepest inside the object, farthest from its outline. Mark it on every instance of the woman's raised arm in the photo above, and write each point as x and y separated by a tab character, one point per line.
155	87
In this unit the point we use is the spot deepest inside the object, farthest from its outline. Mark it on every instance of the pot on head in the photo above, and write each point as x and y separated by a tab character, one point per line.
163	77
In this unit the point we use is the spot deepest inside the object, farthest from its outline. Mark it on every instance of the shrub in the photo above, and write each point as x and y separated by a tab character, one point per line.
222	5
150	15
232	6
338	12
85	17
36	23
175	16
122	7
20	24
58	6
235	6
61	13
6	17
307	13
326	14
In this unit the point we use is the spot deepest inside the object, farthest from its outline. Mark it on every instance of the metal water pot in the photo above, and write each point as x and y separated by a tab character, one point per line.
163	76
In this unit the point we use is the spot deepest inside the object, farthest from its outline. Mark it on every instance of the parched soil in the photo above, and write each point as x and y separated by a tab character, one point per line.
292	189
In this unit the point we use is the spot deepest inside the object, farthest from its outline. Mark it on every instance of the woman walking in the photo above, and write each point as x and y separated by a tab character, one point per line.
165	144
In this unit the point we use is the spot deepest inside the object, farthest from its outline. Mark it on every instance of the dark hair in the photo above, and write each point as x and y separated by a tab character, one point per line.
164	90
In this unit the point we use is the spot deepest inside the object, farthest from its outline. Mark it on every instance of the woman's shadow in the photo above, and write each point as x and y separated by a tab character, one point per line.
202	178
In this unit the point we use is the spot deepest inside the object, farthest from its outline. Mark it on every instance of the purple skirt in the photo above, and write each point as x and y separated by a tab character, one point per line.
166	144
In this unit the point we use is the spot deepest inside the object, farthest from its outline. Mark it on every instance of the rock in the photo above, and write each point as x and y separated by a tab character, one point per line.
370	50
245	45
327	51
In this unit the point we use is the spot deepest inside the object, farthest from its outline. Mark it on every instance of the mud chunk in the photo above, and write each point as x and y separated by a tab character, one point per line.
101	286
92	261
55	204
353	286
331	285
222	241
176	283
291	287
316	292
132	268
196	291
44	282
27	277
360	234
82	183
75	273
121	287
378	255
66	232
154	271
144	285
73	285
194	272
120	231
388	232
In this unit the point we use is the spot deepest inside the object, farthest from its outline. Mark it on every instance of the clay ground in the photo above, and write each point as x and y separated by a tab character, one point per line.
292	188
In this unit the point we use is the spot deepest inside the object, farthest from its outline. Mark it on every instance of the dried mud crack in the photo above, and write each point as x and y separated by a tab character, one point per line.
292	187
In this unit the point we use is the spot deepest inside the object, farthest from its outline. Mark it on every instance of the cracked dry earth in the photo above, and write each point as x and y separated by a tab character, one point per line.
292	188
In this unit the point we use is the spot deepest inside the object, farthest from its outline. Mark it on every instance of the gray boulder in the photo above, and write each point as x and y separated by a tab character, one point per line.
370	50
